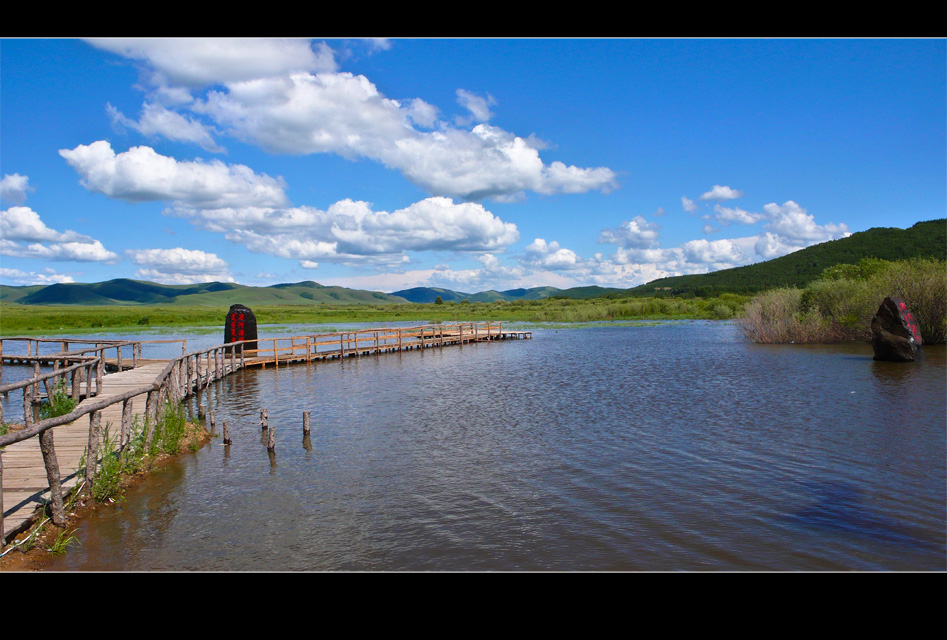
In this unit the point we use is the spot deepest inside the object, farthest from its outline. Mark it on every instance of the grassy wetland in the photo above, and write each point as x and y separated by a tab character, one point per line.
74	319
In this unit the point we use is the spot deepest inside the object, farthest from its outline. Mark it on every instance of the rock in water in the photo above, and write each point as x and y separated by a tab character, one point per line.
894	332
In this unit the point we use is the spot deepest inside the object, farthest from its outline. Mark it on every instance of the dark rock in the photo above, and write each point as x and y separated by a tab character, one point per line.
240	325
894	332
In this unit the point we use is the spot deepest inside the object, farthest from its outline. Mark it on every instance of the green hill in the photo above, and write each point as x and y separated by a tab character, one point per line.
797	269
123	291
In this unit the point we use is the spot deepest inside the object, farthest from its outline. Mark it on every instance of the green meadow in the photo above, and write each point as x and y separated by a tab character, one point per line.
18	319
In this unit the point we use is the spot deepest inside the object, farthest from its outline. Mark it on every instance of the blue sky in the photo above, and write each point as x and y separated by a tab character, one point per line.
469	164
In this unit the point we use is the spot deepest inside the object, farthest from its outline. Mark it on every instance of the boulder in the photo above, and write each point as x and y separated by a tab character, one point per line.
894	332
240	325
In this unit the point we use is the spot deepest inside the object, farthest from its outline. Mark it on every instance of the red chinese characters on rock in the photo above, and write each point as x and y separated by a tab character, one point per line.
240	325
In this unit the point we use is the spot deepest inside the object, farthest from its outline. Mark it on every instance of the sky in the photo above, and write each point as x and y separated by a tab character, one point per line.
468	164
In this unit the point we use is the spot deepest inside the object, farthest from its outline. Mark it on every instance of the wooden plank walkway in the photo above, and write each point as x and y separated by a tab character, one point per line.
24	474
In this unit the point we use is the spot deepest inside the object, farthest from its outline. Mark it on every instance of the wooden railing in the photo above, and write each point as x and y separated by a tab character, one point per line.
176	380
374	340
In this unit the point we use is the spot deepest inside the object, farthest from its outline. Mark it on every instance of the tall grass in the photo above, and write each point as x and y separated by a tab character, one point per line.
118	464
841	304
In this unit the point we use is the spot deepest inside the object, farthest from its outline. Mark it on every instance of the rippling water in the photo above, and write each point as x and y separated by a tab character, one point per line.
670	447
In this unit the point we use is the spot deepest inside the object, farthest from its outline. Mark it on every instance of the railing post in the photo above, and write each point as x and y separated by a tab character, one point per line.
91	460
28	405
56	510
3	535
126	423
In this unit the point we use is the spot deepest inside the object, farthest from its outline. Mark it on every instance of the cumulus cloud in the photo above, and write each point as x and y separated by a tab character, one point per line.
792	222
549	255
689	205
200	62
23	278
288	97
350	230
156	120
23	225
141	174
478	106
14	187
636	233
179	266
735	214
720	193
91	251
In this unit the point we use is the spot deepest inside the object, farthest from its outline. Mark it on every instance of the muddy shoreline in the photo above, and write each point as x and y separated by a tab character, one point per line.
38	556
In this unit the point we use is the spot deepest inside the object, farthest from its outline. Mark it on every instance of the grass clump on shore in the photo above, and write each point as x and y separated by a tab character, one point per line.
840	305
147	442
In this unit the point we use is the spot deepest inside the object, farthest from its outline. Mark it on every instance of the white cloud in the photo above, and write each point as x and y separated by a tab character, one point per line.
713	252
720	193
791	222
91	251
14	187
17	277
179	266
350	231
345	114
478	106
156	120
287	97
735	214
141	174
549	255
199	62
22	224
689	205
636	233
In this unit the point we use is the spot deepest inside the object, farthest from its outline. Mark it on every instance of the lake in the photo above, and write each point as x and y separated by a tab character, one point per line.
676	446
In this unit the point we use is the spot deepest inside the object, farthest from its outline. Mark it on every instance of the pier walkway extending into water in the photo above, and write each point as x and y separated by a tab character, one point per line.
111	387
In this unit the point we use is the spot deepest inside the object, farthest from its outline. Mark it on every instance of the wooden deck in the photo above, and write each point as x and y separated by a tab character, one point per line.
24	474
23	480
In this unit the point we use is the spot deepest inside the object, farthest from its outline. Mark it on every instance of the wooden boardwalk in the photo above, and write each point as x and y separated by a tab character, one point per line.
23	478
24	474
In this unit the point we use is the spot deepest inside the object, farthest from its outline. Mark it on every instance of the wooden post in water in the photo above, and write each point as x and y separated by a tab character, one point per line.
305	423
212	420
56	510
264	421
271	441
227	439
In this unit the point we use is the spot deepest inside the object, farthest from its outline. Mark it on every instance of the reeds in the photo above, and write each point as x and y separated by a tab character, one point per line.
840	305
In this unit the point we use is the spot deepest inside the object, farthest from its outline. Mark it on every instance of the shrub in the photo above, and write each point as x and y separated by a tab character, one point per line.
841	304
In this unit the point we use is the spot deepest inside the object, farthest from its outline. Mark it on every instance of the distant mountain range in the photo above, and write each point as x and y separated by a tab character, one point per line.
924	239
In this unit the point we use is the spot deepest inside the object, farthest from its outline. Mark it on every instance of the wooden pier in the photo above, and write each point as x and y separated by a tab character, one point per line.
112	387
